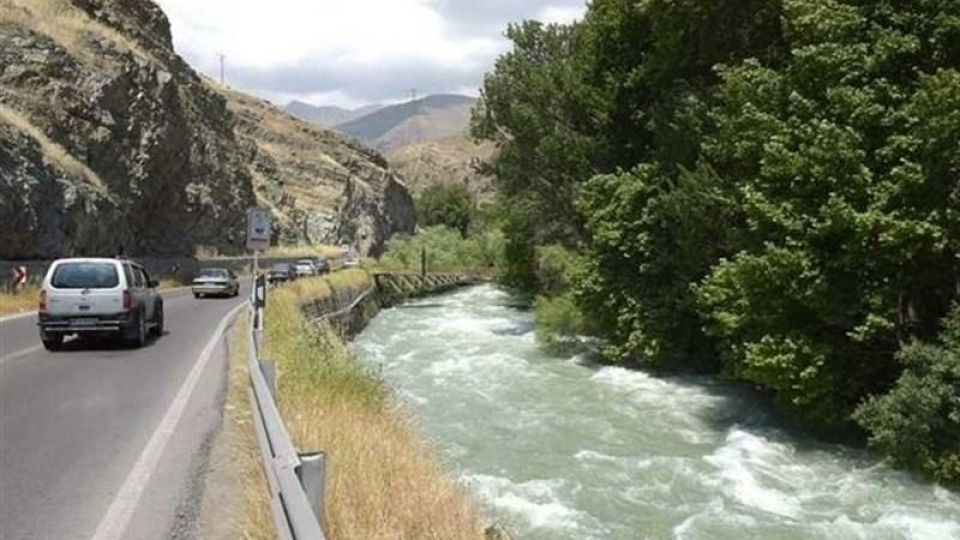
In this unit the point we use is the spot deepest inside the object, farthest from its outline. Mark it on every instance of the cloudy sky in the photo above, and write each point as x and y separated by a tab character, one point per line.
352	52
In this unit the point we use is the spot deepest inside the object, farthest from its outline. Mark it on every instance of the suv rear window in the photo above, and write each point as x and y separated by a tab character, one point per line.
85	275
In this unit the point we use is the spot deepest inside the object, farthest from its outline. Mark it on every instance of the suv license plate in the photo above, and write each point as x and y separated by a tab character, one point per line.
83	322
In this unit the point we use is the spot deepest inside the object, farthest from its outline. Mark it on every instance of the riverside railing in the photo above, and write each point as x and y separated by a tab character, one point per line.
296	481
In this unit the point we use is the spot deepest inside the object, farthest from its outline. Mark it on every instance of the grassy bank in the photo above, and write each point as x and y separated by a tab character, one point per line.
23	301
383	481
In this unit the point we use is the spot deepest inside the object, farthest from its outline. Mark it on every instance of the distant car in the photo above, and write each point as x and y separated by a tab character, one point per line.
305	268
84	297
215	282
281	273
351	259
323	265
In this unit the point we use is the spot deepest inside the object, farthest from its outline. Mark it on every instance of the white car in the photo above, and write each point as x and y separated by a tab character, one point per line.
215	282
305	268
98	297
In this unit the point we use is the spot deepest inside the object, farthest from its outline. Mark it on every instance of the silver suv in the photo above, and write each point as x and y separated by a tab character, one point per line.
97	297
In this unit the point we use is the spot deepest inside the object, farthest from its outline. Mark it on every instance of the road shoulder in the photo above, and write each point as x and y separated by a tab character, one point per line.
233	479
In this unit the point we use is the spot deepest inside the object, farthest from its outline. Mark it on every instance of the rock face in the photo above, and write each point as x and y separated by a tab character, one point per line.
109	139
321	187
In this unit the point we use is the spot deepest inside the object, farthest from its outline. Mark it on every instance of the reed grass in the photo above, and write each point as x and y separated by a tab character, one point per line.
384	482
22	301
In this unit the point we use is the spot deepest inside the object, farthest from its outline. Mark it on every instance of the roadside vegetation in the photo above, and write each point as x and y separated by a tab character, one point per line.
457	234
383	482
447	251
776	201
22	301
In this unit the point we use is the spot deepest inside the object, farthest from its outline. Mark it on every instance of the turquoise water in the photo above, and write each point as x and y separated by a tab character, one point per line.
555	448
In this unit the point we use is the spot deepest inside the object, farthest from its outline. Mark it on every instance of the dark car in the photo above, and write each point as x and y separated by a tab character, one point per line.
281	273
323	266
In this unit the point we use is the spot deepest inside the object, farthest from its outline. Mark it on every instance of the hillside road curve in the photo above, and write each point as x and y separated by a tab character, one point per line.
102	441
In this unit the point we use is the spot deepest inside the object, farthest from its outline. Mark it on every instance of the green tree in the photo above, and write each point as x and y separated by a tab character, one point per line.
843	246
767	188
918	422
449	204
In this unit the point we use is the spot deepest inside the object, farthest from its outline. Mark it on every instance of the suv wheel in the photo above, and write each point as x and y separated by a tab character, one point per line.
138	335
158	320
52	342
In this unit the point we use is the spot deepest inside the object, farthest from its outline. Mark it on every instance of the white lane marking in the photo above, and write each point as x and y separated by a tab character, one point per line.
115	521
18	316
18	354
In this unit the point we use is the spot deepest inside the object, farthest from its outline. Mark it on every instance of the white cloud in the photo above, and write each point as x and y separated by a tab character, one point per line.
561	14
339	49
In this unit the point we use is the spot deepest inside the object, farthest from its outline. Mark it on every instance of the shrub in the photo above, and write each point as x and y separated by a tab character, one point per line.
559	322
918	422
446	249
557	267
449	204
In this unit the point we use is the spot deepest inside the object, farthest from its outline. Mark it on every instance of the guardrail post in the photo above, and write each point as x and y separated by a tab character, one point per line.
312	473
269	370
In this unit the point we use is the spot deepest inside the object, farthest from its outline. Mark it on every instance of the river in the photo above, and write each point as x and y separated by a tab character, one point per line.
556	448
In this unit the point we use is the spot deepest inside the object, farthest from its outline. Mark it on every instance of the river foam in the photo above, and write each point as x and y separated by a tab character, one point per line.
557	448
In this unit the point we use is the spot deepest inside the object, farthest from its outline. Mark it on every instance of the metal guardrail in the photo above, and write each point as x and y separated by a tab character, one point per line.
296	481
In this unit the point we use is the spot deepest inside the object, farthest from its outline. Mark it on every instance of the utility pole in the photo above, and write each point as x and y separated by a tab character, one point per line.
417	135
223	59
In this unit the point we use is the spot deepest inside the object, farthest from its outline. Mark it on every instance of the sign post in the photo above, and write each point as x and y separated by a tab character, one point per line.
19	277
258	234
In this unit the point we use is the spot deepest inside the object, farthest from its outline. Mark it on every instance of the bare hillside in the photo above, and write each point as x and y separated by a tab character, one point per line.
108	139
451	159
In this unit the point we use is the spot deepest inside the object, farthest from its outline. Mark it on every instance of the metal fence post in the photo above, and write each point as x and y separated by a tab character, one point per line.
312	473
269	370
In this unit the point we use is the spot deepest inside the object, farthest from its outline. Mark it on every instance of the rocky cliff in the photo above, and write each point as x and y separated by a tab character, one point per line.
321	186
109	139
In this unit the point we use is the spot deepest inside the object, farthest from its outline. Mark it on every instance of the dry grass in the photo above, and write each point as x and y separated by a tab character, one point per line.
384	482
23	301
170	283
68	26
55	154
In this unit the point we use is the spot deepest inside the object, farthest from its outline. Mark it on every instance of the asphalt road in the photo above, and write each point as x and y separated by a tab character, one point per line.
102	442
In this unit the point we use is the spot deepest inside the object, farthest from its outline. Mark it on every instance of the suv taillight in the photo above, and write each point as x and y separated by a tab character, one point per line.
127	300
43	300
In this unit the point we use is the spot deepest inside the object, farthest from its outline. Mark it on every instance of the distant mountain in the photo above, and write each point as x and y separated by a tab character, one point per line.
428	119
327	116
